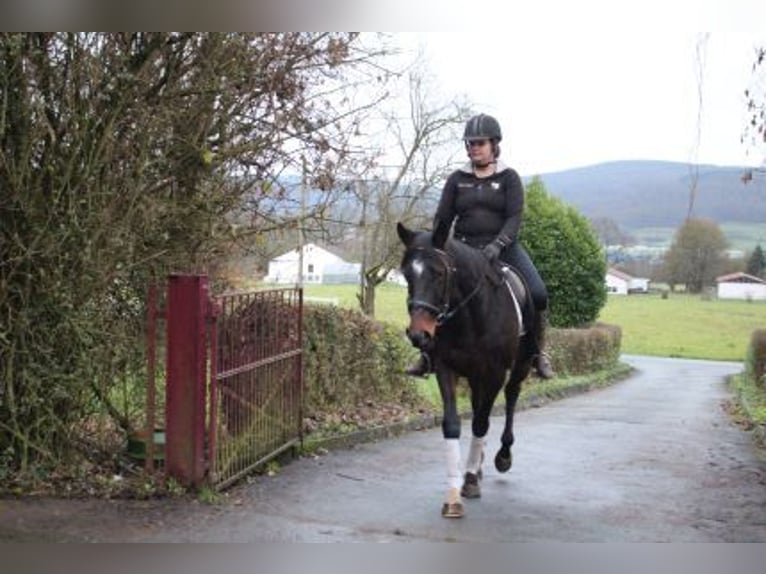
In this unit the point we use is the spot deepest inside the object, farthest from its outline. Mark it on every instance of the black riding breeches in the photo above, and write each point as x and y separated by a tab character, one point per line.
516	256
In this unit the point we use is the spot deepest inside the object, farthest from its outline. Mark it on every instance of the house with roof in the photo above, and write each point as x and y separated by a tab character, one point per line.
742	286
319	266
621	283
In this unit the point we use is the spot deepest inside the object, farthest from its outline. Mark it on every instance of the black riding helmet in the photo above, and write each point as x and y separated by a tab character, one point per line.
482	126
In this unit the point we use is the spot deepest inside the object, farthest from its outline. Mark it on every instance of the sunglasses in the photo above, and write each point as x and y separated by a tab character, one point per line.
478	143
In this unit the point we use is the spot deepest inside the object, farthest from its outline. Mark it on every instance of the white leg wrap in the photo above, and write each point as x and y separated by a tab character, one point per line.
453	462
473	464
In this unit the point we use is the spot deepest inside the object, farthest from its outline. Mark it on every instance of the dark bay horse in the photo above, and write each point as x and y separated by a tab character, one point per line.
462	314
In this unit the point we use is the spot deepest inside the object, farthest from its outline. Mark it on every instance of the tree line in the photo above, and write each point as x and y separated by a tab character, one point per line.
697	255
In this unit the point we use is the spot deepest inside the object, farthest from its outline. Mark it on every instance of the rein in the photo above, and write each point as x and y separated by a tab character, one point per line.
445	312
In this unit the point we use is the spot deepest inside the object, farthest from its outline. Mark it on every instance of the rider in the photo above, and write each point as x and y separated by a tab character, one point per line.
485	200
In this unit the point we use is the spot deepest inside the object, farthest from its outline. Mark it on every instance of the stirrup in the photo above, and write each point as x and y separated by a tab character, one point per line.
421	368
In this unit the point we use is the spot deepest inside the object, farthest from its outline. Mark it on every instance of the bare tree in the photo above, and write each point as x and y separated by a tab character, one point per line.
754	134
405	184
694	168
315	197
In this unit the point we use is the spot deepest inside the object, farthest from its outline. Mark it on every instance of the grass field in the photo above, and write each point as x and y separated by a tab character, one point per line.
390	300
684	325
680	326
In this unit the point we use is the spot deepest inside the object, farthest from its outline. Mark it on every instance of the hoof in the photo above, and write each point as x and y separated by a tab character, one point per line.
453	507
503	464
452	510
471	488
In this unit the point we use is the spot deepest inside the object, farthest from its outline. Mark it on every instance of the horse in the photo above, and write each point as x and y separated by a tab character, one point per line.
463	314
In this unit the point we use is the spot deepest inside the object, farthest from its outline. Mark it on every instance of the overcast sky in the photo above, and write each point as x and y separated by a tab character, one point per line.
578	83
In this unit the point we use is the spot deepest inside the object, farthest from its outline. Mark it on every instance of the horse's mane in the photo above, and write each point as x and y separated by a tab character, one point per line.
468	260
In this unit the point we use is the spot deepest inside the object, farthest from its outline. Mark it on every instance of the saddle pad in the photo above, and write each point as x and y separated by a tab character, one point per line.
517	289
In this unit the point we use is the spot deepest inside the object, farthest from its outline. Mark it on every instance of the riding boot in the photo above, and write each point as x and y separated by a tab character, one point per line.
541	361
420	368
543	366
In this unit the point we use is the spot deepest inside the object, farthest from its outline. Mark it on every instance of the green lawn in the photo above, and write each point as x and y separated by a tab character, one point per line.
390	300
684	325
680	326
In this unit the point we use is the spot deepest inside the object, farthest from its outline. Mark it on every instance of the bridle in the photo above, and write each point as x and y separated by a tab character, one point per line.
443	312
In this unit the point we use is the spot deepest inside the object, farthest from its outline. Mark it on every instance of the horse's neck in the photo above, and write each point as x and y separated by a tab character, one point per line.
468	282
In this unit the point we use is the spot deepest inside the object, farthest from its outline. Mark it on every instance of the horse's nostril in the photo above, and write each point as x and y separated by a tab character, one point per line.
420	339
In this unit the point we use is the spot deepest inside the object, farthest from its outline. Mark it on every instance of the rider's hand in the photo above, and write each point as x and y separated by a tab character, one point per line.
492	251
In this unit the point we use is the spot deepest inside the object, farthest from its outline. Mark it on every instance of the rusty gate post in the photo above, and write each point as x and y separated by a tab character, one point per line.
186	377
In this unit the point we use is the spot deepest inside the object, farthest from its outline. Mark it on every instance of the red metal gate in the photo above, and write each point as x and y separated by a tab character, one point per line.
233	379
256	388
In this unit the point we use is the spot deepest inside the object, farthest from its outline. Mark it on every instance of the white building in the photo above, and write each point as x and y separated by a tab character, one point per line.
395	276
741	286
620	283
617	282
319	266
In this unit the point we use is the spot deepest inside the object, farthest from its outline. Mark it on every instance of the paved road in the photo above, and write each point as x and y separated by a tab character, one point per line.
652	458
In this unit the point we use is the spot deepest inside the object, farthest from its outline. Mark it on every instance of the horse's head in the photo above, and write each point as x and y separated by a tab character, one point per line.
429	272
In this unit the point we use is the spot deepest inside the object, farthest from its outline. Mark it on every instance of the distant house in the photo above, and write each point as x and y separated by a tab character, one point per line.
319	266
620	283
741	286
617	282
395	276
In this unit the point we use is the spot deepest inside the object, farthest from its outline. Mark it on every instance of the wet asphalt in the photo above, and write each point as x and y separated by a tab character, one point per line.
653	458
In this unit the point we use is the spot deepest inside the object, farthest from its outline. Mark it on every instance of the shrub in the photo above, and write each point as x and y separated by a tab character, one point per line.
352	360
568	255
755	362
750	387
582	351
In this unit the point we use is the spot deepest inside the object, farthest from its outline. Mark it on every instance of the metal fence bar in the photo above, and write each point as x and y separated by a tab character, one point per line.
257	382
258	364
151	365
213	392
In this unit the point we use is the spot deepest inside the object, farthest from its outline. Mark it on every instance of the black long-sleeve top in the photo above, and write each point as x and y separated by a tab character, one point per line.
482	208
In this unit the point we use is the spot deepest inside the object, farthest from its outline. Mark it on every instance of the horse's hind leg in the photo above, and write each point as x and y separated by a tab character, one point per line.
504	459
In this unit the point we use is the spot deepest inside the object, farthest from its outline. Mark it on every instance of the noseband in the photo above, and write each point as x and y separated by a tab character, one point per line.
443	312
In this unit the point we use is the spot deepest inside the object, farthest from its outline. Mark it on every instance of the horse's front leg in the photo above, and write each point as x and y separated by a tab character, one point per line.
483	395
453	504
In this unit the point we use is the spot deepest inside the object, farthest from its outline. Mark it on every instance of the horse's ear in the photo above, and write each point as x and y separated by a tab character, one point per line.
405	234
439	237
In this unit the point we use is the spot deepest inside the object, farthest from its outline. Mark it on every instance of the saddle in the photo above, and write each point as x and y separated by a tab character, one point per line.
522	301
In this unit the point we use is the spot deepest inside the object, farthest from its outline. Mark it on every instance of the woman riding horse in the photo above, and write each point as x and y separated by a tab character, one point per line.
467	320
485	200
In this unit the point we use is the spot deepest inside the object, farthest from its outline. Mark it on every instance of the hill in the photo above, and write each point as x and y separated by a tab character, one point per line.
655	194
648	199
